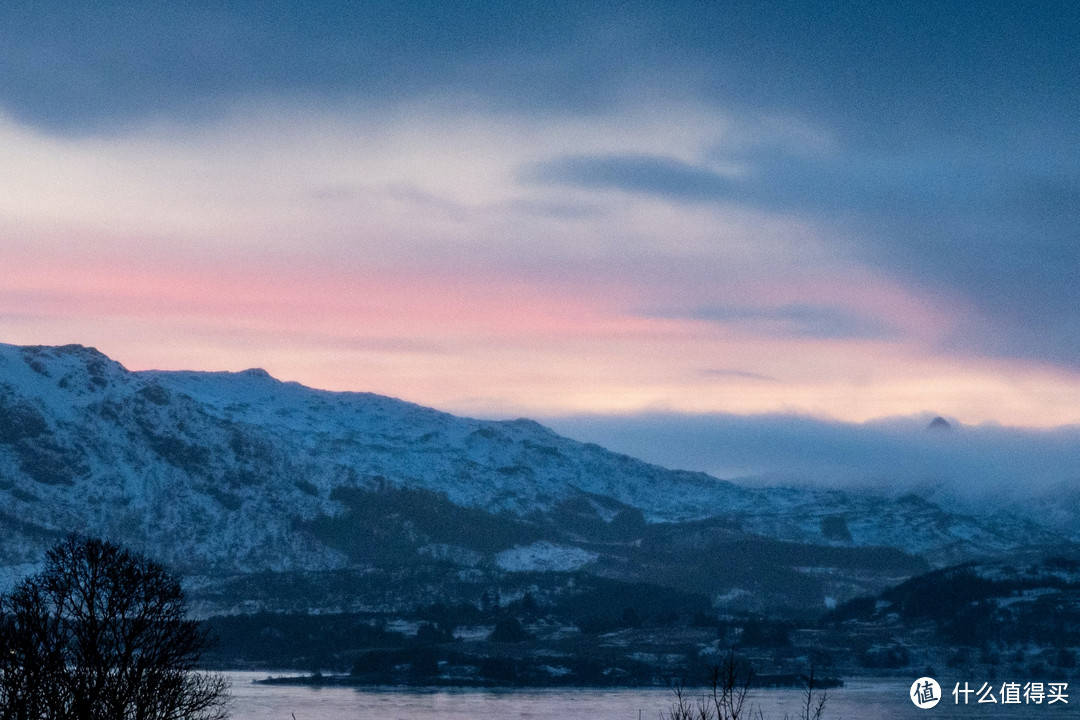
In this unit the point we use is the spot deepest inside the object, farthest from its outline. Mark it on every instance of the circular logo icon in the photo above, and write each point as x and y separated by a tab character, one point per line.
925	693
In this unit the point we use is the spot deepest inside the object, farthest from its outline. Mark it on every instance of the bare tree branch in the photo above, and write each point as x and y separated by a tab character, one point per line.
102	634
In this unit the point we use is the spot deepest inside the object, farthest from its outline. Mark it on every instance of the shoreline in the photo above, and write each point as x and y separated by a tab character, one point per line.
384	682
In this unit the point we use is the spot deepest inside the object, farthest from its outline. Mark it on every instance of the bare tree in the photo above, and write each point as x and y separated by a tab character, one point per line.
813	697
725	699
102	634
683	707
731	687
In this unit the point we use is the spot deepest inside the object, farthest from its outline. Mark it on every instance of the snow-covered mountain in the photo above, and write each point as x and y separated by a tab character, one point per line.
238	473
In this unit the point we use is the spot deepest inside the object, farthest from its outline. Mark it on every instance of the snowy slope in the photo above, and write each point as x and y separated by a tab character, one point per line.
228	472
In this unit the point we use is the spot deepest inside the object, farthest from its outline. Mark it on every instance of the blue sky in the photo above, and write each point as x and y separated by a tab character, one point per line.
837	211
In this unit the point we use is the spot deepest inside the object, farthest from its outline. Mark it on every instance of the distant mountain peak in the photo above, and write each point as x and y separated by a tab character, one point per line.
939	424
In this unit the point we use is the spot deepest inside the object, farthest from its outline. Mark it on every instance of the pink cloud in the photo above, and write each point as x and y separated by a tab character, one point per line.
501	339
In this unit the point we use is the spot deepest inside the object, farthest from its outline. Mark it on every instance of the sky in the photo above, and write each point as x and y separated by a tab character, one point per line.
824	212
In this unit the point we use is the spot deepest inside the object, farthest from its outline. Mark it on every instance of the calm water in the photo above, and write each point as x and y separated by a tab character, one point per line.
875	700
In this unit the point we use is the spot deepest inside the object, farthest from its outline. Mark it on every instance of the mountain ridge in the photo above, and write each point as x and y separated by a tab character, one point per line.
225	473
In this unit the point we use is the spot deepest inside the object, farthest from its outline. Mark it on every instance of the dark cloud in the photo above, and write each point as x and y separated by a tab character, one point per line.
647	174
878	71
799	320
90	67
891	73
997	231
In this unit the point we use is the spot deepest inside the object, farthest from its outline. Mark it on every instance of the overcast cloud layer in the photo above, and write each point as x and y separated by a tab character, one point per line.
844	210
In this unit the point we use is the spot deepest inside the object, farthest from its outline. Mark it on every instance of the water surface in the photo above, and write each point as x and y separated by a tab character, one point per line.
877	699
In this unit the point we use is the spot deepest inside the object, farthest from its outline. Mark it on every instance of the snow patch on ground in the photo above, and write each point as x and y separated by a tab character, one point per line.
451	553
474	632
730	596
544	556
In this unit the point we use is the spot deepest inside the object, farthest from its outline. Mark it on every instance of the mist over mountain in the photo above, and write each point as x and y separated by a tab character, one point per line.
252	488
979	469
